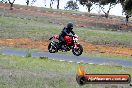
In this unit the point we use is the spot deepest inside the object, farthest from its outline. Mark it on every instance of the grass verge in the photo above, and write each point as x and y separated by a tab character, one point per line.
43	73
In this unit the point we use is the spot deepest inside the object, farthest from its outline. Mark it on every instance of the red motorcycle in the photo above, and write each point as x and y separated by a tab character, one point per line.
71	44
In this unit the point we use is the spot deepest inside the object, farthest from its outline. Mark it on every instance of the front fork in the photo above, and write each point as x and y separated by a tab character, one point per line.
76	46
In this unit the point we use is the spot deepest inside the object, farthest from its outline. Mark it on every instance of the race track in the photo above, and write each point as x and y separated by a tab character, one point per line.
70	58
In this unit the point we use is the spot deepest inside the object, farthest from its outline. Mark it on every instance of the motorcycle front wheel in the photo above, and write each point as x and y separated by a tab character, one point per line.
77	51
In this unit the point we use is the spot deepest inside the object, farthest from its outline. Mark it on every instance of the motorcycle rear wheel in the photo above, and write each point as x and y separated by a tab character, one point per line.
52	48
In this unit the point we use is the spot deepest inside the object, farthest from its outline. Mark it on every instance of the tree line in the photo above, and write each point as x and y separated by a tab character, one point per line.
126	5
90	4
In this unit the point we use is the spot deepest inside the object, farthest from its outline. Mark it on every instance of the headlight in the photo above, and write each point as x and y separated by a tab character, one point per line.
76	39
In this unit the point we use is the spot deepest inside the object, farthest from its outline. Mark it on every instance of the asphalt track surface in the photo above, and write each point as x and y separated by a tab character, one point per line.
70	58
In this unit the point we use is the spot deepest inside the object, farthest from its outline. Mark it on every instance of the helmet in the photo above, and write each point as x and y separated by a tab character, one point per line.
70	25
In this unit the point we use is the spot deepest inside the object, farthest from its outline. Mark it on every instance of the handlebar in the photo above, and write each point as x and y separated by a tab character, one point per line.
75	36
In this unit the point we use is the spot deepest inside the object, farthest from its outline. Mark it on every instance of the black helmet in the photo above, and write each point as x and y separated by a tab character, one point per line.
70	25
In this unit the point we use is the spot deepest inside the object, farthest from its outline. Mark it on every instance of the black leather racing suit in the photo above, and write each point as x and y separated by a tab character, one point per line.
64	32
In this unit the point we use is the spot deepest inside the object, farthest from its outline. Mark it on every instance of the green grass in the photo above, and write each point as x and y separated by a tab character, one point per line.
41	28
96	36
20	28
30	72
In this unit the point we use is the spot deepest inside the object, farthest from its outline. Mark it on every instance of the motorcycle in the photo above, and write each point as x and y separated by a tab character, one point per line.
71	44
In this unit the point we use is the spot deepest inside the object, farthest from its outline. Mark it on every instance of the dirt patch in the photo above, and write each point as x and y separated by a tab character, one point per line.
106	49
24	43
42	44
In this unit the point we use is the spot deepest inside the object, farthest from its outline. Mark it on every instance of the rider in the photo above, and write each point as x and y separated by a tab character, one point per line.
66	31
